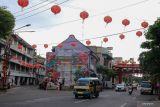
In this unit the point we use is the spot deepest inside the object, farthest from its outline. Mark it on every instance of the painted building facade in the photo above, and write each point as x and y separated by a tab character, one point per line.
73	57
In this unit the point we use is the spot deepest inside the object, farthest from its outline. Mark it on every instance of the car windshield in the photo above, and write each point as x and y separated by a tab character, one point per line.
82	82
121	85
146	85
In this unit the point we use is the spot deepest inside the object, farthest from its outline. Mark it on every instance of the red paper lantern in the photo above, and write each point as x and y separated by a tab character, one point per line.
23	3
105	40
56	9
88	42
19	46
139	33
108	19
60	45
45	45
144	24
84	15
34	46
121	36
73	44
125	22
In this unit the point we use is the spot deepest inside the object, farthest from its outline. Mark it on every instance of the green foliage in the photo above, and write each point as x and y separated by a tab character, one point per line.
105	71
77	74
150	59
7	23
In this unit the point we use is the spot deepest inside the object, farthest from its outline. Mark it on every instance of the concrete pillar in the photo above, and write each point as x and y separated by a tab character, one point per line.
27	81
18	81
120	76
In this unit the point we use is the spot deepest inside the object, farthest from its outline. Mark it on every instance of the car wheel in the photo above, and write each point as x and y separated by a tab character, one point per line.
97	95
76	96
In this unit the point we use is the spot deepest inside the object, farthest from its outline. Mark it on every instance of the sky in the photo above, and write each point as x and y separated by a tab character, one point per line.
52	29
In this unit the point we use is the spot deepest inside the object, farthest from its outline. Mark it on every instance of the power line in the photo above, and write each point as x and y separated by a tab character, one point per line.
116	9
36	8
41	11
101	36
31	7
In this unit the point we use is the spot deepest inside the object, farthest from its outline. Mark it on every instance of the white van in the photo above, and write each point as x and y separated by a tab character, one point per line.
146	87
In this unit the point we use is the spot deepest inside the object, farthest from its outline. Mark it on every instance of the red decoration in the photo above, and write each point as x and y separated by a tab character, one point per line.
105	40
121	36
144	24
83	57
45	45
84	15
34	46
19	46
88	42
125	22
60	45
23	3
139	33
73	44
108	19
56	9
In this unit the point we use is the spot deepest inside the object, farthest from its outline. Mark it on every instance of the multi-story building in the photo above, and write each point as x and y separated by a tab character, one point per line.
105	57
74	57
40	72
21	69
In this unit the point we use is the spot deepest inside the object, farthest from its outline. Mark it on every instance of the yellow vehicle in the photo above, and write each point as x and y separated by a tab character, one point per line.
87	87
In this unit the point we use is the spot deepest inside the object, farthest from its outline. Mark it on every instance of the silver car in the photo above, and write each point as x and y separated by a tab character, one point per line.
120	87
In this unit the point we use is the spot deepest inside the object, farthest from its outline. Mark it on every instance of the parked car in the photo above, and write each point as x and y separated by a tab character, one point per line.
146	87
120	87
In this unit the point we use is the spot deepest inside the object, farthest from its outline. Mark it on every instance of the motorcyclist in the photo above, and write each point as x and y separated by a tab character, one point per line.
130	89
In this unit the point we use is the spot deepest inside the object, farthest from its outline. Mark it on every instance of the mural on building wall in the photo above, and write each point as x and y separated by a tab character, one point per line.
51	66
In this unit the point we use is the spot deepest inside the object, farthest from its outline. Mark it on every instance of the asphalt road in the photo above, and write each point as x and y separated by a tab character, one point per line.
33	97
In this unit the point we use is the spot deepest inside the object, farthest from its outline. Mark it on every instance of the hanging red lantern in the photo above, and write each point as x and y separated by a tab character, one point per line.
19	46
60	45
34	46
73	44
125	22
105	40
84	15
23	3
121	36
88	42
56	9
108	19
139	33
144	24
45	45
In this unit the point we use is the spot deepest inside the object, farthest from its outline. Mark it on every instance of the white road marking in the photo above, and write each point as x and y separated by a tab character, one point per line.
80	101
123	105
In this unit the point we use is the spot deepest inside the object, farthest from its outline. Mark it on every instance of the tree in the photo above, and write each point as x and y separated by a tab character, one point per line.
150	59
7	23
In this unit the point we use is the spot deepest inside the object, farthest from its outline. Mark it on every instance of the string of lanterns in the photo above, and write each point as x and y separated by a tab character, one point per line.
25	64
56	9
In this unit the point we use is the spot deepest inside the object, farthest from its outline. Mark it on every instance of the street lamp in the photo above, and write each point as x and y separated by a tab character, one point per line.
27	25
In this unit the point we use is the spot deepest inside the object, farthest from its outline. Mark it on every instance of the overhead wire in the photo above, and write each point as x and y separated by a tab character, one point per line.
116	9
31	7
36	8
101	36
41	11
